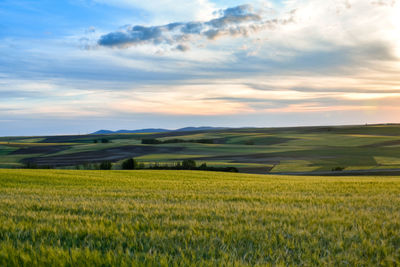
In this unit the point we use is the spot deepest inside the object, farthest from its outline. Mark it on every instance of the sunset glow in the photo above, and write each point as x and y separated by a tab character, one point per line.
76	65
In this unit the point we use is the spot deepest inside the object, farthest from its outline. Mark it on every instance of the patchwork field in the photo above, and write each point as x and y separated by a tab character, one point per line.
175	218
256	150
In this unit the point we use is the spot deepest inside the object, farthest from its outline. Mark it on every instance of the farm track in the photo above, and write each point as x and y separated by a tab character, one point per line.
386	172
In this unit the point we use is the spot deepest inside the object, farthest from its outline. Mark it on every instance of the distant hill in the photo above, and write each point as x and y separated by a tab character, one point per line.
103	132
150	130
157	130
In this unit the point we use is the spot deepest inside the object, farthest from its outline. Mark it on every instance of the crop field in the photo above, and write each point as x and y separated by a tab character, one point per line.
254	150
175	218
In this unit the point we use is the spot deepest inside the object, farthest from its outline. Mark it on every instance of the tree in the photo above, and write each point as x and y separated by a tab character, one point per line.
105	165
338	169
151	141
203	166
105	140
188	164
129	164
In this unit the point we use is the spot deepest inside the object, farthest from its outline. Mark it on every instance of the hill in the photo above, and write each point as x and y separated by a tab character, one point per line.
159	130
150	130
302	150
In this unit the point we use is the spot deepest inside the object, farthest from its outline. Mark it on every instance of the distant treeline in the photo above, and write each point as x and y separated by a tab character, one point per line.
187	164
202	167
153	141
132	164
103	140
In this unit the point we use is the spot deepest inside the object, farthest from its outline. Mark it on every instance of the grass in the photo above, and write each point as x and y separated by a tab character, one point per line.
27	144
13	161
84	147
175	218
5	150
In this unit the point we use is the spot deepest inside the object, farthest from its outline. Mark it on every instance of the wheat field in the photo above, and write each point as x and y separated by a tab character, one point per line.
184	218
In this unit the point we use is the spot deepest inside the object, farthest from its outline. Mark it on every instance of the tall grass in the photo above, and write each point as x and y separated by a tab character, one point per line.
175	218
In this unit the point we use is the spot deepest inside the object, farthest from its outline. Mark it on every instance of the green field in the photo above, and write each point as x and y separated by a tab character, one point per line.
180	218
253	150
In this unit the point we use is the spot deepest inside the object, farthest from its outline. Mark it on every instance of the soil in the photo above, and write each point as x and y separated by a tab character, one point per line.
110	154
39	150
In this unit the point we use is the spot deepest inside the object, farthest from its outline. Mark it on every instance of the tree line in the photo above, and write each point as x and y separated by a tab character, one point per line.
133	164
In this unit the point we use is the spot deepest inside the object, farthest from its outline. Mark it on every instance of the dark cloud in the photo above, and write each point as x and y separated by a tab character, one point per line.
236	21
235	15
182	47
135	35
192	28
242	10
212	34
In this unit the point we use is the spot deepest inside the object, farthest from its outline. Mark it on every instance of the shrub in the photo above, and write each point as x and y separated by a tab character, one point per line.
337	169
151	141
31	165
129	164
105	165
105	140
203	166
188	164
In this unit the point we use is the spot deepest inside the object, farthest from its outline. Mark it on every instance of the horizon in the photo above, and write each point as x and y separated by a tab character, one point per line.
78	66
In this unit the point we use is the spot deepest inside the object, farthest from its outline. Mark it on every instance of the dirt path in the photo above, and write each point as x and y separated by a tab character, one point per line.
341	173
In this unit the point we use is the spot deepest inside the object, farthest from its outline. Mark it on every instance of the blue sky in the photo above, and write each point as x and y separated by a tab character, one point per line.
76	66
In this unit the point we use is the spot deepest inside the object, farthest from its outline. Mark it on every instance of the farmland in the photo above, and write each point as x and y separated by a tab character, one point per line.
124	218
253	150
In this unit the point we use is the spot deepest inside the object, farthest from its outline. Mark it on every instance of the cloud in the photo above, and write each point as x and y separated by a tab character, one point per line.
134	35
384	3
182	47
234	15
319	58
237	21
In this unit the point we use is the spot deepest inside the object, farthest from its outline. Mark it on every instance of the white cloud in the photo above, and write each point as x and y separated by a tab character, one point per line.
335	54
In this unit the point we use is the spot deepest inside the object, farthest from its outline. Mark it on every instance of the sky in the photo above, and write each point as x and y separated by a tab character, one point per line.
77	66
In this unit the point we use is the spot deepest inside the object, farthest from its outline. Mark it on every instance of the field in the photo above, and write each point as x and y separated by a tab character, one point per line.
175	218
256	150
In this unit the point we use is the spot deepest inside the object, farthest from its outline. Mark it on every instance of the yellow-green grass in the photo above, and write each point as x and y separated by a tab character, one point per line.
165	157
86	147
181	218
336	140
297	165
25	144
234	149
14	161
351	162
5	150
210	135
30	140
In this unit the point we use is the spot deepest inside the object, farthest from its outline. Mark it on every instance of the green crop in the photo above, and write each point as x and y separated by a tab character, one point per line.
181	218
